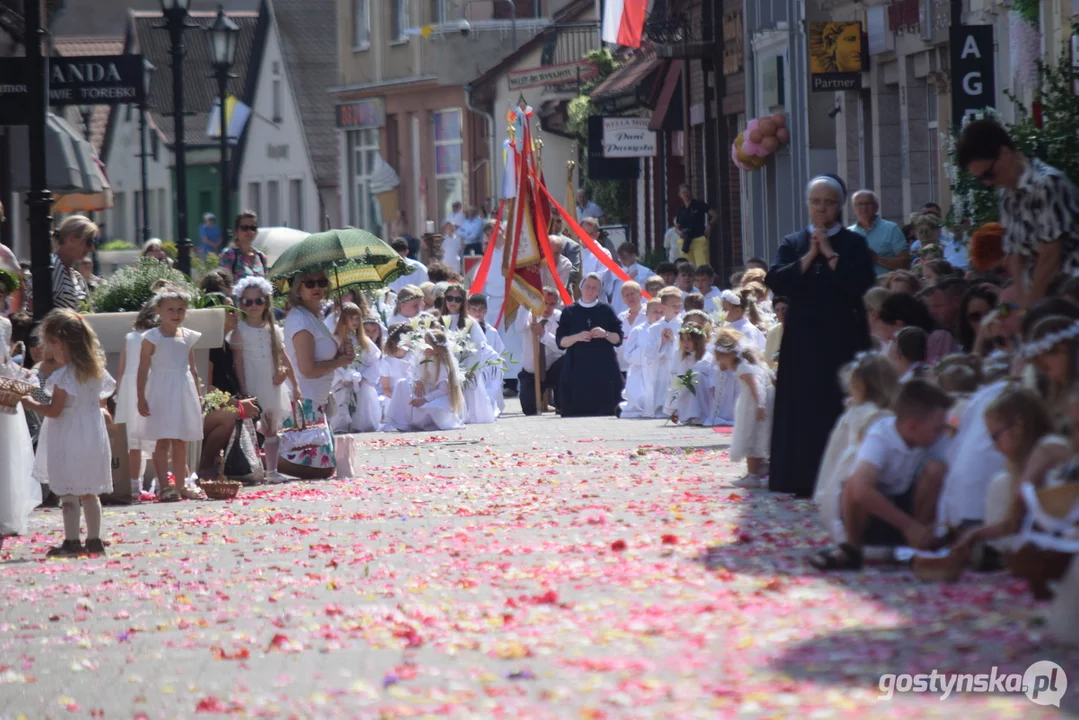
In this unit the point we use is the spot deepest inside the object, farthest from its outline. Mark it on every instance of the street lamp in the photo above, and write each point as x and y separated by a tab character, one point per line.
175	12
39	198
147	75
223	34
466	28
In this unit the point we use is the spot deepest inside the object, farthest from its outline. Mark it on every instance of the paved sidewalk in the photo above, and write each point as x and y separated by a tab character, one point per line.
536	568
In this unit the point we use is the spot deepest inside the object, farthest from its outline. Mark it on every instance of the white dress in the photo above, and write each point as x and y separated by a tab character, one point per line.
480	408
692	405
20	492
627	328
127	396
495	375
752	438
436	413
395	409
660	362
175	411
637	395
259	368
726	390
78	460
355	392
751	333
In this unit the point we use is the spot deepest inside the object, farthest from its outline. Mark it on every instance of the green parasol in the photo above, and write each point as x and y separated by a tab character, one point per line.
351	258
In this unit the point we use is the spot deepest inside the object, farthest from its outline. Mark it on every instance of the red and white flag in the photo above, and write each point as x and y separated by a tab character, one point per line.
623	22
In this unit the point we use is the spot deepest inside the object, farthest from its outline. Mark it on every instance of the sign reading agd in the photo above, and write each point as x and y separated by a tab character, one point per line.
628	137
973	75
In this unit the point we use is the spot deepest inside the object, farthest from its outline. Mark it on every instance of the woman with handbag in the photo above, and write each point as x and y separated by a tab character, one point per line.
307	445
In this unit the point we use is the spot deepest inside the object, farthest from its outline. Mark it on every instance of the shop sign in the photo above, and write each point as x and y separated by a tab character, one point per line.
361	114
836	58
972	70
552	75
628	137
85	80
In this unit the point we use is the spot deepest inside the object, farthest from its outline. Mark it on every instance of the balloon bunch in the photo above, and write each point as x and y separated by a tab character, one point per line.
761	138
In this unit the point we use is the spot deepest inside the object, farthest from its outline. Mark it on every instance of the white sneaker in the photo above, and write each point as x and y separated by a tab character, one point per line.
275	478
749	481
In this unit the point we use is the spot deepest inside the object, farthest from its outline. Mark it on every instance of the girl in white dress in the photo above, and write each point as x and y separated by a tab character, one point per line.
871	382
480	409
633	316
637	395
753	413
372	328
438	402
127	397
493	375
395	381
409	305
743	316
20	492
660	349
77	462
168	390
686	405
262	365
355	386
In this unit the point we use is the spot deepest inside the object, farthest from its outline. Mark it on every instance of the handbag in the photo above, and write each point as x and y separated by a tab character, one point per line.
304	435
241	454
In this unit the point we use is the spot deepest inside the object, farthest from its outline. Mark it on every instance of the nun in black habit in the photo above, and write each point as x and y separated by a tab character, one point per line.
823	271
589	330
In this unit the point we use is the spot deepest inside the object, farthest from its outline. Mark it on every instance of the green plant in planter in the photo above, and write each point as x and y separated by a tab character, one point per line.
129	288
112	245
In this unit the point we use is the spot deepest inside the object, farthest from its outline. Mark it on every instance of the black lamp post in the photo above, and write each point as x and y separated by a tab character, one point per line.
223	34
175	12
87	114
39	198
147	75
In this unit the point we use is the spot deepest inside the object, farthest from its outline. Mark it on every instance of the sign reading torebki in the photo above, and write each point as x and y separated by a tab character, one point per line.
86	80
552	75
628	137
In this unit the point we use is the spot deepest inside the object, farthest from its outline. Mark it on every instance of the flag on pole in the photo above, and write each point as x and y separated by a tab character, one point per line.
623	22
236	115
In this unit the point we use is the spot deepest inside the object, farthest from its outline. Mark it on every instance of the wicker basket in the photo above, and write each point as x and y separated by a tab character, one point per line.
220	489
11	392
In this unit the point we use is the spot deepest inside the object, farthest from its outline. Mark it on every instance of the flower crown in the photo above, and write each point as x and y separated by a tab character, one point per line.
692	330
1032	350
727	343
731	297
170	292
252	281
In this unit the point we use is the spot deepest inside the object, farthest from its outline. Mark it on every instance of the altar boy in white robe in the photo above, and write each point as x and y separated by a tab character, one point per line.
661	349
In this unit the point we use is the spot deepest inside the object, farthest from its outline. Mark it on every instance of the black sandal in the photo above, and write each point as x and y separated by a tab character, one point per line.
843	557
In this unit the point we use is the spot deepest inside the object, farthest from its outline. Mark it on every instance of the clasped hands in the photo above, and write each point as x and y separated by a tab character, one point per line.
597	333
820	244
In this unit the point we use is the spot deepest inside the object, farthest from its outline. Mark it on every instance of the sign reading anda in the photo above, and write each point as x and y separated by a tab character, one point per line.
86	80
628	137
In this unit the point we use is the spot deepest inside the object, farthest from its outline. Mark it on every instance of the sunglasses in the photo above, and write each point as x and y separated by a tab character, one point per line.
312	284
454	299
250	228
253	302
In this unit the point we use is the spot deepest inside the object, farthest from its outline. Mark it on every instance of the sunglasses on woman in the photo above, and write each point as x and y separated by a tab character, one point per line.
253	302
312	284
250	228
454	299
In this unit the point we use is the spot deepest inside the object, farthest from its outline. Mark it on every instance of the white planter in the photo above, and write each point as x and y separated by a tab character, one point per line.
112	330
110	261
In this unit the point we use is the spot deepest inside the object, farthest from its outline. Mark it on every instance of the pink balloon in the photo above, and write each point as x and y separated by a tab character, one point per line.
780	120
783	135
769	145
755	136
767	127
751	125
749	147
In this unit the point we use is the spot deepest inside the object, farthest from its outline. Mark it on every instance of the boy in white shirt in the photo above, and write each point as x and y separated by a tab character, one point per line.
639	393
612	284
633	316
661	348
704	280
451	247
891	496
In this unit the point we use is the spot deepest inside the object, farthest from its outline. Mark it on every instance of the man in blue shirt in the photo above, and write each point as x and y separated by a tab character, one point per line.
210	235
887	244
471	232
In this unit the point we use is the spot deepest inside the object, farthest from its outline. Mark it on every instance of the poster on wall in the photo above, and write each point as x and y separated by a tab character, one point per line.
973	74
836	59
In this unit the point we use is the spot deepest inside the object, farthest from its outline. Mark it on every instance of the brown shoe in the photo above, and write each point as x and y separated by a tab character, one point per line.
94	546
67	549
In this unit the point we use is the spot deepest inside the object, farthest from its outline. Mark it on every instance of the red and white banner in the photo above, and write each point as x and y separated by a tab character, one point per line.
623	22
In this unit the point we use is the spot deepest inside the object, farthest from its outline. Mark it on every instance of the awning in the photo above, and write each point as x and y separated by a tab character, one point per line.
70	164
632	79
672	83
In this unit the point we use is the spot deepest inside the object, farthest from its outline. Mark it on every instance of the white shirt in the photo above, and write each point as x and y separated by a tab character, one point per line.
552	352
896	462
315	389
590	263
955	252
672	241
496	282
590	210
612	284
451	252
458	218
417	277
711	300
627	328
973	461
565	270
750	332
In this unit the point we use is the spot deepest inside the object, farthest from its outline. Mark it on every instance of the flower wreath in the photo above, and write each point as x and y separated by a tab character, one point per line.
1032	350
727	344
692	330
731	297
252	281
170	292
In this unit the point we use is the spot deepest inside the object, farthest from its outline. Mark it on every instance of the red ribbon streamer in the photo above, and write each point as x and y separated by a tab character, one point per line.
480	280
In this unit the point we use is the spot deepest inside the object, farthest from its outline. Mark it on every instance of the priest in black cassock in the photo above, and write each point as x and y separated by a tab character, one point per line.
823	271
589	330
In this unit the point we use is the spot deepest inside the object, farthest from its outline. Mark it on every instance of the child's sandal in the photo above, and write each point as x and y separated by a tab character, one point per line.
188	493
843	557
168	494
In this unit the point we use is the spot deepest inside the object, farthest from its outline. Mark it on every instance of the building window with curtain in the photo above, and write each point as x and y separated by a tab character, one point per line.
449	169
295	207
361	24
398	20
364	210
273	202
254	198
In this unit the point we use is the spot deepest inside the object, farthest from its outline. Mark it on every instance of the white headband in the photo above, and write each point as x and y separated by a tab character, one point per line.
1047	343
252	281
832	183
731	297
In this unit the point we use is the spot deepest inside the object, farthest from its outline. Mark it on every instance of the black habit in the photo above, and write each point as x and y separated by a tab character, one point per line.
591	383
825	327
